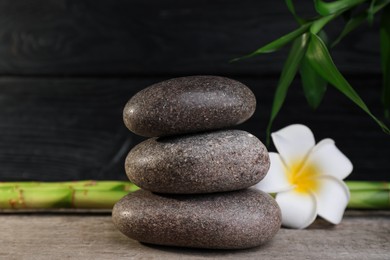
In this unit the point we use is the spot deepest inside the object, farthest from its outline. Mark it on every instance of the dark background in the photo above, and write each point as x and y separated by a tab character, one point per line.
68	67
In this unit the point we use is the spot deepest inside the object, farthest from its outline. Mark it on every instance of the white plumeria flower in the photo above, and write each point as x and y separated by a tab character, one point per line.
307	177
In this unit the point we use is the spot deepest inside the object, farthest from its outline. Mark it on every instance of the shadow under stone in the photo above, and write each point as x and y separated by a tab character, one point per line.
204	252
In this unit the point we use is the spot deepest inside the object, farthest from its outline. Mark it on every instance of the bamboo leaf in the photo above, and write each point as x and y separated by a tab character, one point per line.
357	20
327	8
314	86
370	12
379	5
291	8
290	68
324	37
385	58
351	25
320	59
277	44
320	23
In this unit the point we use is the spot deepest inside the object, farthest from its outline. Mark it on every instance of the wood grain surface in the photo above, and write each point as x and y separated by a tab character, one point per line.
60	129
151	37
361	235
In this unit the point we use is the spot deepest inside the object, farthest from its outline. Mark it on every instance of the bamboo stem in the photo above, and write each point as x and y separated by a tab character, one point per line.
104	194
368	185
369	195
77	194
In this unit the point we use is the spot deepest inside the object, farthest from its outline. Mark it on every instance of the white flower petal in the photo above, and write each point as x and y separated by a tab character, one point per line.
293	143
332	199
276	178
299	210
329	160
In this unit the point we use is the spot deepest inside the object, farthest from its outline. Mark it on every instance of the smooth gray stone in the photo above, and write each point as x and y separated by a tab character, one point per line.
230	220
199	163
188	105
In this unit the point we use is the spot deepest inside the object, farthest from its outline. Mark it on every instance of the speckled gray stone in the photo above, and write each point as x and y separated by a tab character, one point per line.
231	220
198	163
188	105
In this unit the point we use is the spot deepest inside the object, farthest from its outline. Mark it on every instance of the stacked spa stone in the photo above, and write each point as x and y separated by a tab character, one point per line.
195	176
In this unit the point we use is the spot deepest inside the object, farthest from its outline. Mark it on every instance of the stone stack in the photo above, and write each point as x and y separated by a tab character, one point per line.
194	175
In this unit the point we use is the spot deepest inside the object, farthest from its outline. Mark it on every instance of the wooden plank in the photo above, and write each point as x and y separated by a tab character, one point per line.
361	235
60	129
152	37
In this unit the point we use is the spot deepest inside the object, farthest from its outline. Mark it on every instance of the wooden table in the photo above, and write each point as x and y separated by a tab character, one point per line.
64	235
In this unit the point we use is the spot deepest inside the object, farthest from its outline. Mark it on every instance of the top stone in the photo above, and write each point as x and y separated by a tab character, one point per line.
188	105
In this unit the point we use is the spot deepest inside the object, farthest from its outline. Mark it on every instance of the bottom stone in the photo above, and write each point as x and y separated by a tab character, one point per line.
230	220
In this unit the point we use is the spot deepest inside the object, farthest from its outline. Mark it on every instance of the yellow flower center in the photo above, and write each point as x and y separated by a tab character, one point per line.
303	177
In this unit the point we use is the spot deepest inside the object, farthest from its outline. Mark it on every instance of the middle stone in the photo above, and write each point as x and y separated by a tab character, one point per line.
200	163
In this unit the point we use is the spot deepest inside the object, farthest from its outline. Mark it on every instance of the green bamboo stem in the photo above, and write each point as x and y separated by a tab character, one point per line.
104	194
368	185
77	194
369	195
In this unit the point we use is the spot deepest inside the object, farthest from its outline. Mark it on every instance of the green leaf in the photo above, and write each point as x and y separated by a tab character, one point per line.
385	59
320	23
327	8
314	86
351	25
277	44
290	68
357	20
291	8
379	5
320	59
324	37
370	12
